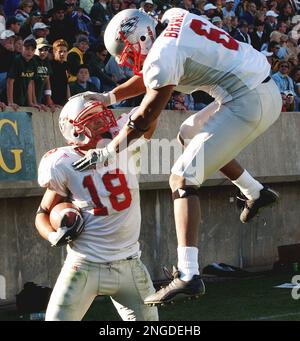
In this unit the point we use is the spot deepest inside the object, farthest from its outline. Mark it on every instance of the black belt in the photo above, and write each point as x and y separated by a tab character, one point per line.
266	80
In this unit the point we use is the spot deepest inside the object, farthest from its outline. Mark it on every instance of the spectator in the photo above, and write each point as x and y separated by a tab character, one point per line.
76	56
62	27
59	78
295	75
242	33
288	101
82	83
27	26
250	14
70	8
97	70
20	78
115	6
217	21
226	24
271	21
274	48
292	44
42	85
282	27
18	44
39	30
283	51
210	10
24	10
259	36
100	15
148	6
228	9
286	12
282	79
13	24
6	56
82	21
177	101
234	26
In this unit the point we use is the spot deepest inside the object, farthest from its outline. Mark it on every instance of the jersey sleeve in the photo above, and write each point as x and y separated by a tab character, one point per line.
51	176
163	67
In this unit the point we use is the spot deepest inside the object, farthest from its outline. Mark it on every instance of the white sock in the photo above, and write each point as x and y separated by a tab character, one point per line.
248	185
187	262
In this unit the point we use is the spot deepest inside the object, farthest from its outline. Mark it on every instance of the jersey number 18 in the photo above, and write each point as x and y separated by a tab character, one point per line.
115	190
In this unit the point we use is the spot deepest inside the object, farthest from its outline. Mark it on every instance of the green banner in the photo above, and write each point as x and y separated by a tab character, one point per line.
17	153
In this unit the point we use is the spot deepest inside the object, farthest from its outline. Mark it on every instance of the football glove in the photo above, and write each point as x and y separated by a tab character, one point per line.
66	234
94	156
107	98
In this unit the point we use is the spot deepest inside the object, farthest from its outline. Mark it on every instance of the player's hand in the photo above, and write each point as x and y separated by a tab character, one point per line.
66	234
106	98
94	156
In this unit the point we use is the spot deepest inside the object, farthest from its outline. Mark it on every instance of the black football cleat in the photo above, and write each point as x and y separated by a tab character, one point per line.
251	207
177	290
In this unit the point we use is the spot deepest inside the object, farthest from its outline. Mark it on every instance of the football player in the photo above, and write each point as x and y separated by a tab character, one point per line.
192	54
104	257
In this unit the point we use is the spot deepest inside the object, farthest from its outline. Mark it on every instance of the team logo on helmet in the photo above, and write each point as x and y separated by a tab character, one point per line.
128	26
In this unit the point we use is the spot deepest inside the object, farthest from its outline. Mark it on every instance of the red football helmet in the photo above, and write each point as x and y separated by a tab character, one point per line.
83	122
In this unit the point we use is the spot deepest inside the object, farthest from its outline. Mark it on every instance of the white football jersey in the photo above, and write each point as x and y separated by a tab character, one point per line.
193	54
108	198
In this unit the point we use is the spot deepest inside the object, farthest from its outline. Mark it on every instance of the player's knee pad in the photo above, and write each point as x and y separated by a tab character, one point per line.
184	192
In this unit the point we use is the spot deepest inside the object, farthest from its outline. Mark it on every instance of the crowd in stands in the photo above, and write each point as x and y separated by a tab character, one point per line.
53	49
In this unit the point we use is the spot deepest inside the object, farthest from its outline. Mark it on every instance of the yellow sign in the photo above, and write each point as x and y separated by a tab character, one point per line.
16	152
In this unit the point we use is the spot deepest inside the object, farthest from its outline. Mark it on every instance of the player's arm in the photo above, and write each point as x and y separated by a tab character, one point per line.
148	134
143	121
10	93
42	222
133	87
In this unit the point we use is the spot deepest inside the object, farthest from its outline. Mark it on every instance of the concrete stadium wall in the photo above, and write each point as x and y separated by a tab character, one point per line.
273	158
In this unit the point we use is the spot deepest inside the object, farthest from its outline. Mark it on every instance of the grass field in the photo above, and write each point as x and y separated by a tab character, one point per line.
231	299
228	300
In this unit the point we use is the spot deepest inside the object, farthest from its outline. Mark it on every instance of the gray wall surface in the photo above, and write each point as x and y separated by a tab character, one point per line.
273	157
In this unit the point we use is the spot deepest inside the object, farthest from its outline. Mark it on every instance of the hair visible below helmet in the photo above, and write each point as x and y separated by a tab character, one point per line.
129	36
83	122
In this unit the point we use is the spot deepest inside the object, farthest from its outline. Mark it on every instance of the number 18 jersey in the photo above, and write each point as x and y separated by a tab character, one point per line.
109	201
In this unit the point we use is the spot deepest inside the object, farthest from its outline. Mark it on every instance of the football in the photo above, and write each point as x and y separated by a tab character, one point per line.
63	209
